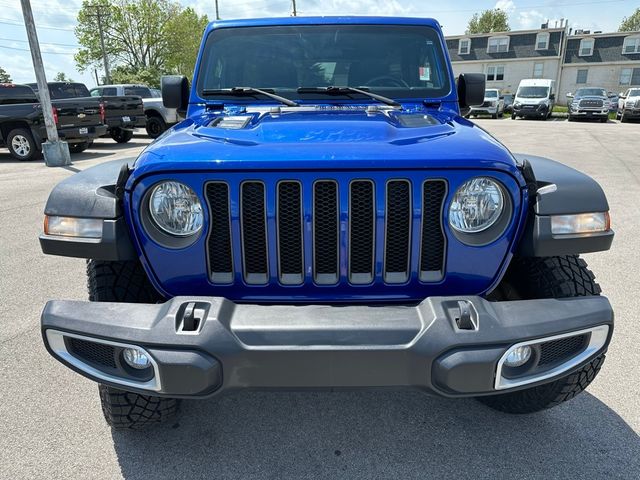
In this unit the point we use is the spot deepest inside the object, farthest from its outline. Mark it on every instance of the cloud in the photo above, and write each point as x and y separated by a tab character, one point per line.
530	19
506	6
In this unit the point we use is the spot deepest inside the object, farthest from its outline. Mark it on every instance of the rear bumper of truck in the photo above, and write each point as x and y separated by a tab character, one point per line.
451	346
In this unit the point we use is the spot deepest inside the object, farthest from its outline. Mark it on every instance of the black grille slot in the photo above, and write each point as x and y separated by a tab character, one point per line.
591	103
433	240
219	243
254	233
562	349
290	250
92	352
398	232
362	211
325	232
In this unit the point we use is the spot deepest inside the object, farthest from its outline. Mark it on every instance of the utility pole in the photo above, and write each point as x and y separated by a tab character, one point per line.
56	152
99	16
295	12
217	11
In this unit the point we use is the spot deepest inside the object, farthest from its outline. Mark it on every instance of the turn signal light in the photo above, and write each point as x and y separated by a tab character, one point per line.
73	227
580	223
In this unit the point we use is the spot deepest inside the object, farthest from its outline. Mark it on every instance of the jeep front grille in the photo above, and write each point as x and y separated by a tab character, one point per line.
326	231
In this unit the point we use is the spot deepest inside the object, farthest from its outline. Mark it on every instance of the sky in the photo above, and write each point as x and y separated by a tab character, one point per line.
56	19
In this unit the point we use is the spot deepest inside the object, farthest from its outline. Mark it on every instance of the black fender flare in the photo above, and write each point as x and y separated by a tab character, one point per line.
560	190
92	193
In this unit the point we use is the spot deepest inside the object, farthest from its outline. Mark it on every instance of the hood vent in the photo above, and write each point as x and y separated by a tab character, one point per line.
416	120
235	122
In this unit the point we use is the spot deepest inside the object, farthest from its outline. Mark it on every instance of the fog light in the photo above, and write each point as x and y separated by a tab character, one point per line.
518	356
136	358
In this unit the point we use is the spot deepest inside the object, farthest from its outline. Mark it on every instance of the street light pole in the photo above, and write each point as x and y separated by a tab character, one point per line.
56	152
217	11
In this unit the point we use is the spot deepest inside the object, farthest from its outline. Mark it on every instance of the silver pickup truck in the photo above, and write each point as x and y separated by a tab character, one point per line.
159	117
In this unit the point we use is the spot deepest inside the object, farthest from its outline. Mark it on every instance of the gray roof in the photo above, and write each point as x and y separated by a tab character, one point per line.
605	49
521	45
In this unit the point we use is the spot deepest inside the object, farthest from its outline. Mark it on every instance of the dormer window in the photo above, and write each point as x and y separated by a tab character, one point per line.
464	46
631	45
542	41
586	47
498	44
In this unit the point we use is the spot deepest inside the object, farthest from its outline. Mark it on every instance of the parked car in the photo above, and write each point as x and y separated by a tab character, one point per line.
629	105
122	113
535	98
313	236
508	104
158	117
588	102
613	102
22	129
493	104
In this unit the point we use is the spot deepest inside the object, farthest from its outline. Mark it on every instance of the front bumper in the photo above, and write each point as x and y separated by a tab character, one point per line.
452	346
531	110
484	110
589	113
632	113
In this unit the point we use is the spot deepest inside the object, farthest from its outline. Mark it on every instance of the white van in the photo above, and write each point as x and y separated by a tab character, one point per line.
535	98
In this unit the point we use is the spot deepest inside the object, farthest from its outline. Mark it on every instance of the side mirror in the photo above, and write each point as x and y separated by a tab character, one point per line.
470	91
175	92
552	96
501	97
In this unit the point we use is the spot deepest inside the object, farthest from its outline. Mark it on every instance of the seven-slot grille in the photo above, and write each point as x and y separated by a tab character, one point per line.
374	239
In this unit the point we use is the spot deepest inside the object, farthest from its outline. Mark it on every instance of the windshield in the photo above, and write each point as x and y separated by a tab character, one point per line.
532	92
634	92
490	94
586	92
394	61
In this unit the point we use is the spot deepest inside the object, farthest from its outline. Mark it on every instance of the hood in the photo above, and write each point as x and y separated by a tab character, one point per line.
591	97
312	138
531	101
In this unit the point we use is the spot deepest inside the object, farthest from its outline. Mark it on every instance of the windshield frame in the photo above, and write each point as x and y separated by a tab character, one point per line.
546	95
603	92
447	91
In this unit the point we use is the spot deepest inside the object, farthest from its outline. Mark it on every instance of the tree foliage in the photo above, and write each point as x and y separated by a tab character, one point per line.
61	77
4	76
631	23
143	38
495	20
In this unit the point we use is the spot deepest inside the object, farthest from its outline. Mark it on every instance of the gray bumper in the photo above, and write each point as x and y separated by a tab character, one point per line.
453	346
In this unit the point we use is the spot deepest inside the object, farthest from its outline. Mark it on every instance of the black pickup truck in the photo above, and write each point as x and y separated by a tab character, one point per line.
22	128
122	113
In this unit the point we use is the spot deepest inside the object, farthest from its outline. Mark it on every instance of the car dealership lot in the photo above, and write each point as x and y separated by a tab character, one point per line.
51	421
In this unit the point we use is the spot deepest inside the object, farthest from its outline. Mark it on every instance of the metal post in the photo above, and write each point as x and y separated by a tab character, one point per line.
107	75
295	12
217	11
56	152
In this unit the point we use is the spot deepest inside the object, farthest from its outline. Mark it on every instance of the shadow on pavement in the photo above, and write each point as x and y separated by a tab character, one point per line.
395	435
91	154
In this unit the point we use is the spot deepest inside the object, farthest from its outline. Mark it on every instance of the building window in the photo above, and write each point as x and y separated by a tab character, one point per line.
586	47
464	46
495	73
581	77
631	45
498	45
630	76
538	70
542	41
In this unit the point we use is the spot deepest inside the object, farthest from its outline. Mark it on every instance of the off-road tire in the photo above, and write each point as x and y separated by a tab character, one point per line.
22	146
546	277
513	116
131	411
155	126
121	135
126	282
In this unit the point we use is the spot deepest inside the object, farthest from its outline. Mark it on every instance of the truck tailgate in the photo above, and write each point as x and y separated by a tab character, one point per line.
78	112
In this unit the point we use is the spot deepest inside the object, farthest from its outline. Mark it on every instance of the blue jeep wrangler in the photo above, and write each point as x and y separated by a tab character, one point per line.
325	217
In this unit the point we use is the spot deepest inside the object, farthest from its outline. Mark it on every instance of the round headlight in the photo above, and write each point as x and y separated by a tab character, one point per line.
476	205
176	209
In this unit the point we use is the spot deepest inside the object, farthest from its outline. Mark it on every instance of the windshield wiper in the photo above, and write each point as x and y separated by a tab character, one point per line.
248	91
346	90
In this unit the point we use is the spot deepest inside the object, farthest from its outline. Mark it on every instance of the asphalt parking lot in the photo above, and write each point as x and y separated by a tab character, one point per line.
51	425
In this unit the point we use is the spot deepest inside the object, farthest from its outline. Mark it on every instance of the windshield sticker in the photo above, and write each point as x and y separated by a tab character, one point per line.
425	73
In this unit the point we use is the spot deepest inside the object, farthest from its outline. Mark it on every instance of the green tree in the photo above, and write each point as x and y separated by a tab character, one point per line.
631	23
488	21
143	38
184	42
4	76
61	77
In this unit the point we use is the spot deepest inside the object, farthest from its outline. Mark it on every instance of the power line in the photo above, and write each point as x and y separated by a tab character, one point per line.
99	15
42	43
44	52
8	21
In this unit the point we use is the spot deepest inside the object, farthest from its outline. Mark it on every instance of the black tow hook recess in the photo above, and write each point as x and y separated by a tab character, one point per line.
190	316
467	318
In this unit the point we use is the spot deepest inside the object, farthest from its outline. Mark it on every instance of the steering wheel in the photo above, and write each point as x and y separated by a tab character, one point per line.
395	82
